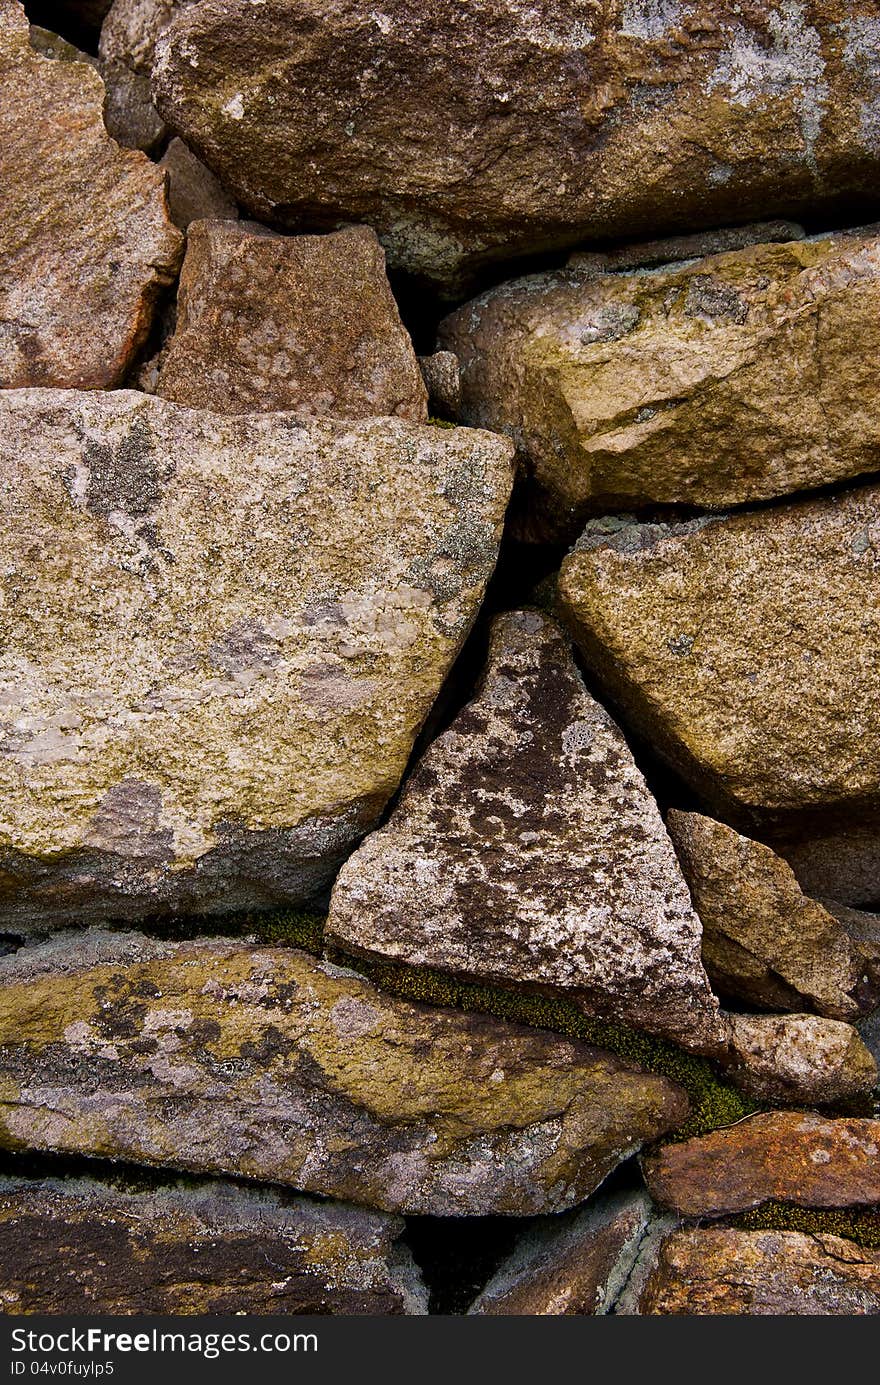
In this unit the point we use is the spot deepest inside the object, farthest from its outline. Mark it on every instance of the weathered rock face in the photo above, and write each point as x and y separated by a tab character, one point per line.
741	647
442	376
487	128
838	862
221	638
271	322
571	1266
80	1246
193	191
718	382
786	1155
85	240
798	1059
764	941
527	848
720	1271
229	1058
128	41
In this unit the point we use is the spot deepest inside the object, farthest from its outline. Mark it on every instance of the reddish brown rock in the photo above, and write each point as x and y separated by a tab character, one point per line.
764	941
762	1273
306	323
85	240
787	1156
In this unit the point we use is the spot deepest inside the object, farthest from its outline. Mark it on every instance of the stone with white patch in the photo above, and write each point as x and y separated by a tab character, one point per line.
527	849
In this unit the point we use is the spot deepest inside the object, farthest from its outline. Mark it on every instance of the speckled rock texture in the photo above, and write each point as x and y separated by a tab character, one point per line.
722	381
570	1266
127	48
838	861
743	649
491	128
798	1059
527	848
309	323
85	239
227	1057
81	1246
764	941
221	636
766	1273
790	1156
194	194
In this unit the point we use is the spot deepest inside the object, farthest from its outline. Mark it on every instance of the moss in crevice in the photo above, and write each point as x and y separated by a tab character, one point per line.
298	928
713	1102
861	1225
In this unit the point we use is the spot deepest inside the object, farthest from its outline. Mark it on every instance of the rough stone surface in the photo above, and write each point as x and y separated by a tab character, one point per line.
309	323
128	41
527	848
221	636
789	1156
79	1246
442	376
227	1057
764	941
85	240
571	1266
743	648
486	128
766	1273
194	194
646	254
841	863
717	382
798	1059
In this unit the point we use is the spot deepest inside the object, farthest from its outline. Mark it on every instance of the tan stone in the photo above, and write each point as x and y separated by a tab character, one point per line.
221	637
227	1057
764	941
743	648
799	1060
763	1273
527	849
717	382
309	323
78	1246
788	1156
85	240
485	129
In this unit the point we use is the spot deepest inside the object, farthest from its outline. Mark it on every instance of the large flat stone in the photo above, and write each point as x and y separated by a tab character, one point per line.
221	636
79	1246
481	129
222	1057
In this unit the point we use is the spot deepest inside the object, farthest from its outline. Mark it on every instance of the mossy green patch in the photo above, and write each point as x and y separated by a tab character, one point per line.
861	1225
282	928
441	422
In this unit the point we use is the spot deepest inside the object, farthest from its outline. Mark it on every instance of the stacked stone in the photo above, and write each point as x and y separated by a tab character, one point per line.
319	924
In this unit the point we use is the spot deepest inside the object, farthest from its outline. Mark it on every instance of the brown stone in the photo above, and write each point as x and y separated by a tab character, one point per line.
787	1156
85	240
715	382
571	1266
228	1057
194	194
127	48
308	323
78	1246
798	1059
762	1273
485	129
527	849
442	377
742	647
764	941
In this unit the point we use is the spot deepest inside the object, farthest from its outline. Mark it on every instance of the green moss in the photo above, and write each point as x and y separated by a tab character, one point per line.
713	1102
282	928
861	1225
441	422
